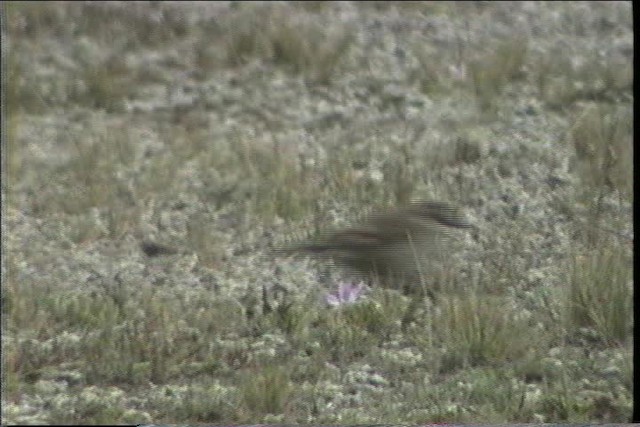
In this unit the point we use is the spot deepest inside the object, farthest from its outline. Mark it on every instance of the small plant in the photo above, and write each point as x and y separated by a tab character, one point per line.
599	294
479	330
266	391
602	140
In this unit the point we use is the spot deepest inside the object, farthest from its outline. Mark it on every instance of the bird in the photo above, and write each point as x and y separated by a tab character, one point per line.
393	247
153	249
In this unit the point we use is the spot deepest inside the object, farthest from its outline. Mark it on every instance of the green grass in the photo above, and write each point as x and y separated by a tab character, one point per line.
600	294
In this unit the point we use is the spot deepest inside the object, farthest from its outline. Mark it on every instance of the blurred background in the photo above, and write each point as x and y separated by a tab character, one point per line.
155	154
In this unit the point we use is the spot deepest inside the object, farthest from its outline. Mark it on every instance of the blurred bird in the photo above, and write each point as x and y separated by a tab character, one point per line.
394	247
153	249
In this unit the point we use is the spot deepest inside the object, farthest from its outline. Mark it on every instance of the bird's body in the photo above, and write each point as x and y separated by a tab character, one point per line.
394	245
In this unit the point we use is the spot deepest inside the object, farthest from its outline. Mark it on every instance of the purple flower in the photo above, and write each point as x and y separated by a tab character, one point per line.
347	293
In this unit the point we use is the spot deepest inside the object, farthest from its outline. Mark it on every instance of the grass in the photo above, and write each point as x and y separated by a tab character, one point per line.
600	294
601	137
491	73
561	83
267	32
292	119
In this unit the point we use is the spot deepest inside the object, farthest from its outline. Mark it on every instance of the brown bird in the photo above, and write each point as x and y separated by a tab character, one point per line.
394	247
